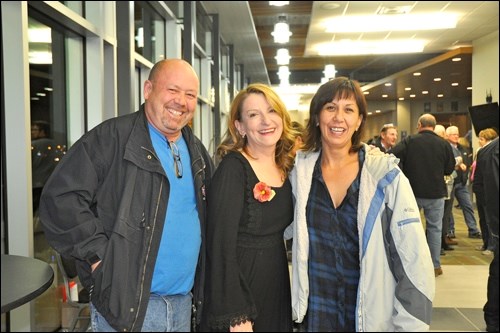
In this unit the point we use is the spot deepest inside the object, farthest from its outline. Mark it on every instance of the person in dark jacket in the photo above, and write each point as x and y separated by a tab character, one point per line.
489	243
460	189
127	203
425	159
387	139
487	175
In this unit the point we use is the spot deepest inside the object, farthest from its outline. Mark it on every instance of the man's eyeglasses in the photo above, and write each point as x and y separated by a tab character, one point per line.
177	159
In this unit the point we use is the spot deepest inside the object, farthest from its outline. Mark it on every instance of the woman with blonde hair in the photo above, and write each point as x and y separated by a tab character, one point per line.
249	206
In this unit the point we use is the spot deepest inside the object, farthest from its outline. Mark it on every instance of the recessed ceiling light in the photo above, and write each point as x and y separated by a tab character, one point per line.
388	84
412	95
440	95
454	84
401	98
469	88
437	79
407	88
425	92
456	59
384	96
417	74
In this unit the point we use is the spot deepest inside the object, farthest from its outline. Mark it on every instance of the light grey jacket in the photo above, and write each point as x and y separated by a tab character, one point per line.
396	286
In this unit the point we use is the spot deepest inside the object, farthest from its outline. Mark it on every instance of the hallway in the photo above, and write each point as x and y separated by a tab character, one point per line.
461	290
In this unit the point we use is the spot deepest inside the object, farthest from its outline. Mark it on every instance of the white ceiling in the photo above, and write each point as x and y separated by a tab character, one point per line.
477	19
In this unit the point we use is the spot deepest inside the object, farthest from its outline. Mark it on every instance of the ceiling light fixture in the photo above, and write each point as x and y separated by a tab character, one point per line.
283	74
282	56
329	71
359	47
278	3
405	22
281	31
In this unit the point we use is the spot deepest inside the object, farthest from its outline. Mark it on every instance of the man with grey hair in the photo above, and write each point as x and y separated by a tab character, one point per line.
446	240
440	130
460	190
388	137
425	159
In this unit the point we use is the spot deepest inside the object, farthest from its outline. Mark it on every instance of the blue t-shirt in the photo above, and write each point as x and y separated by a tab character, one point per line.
181	238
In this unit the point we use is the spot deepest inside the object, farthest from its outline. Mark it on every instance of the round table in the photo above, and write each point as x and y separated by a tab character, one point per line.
23	279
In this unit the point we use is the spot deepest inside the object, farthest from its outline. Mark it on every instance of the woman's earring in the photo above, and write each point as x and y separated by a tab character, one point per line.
317	124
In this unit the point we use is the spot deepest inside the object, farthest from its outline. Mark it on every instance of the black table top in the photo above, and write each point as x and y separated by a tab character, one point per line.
23	279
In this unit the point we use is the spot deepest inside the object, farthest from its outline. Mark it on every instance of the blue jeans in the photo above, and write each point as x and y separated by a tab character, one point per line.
164	314
463	197
433	212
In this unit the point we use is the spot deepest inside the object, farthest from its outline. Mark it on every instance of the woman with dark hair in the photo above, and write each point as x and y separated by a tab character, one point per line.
360	261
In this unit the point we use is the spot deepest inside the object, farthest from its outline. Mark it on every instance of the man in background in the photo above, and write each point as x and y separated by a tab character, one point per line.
44	158
388	137
446	240
460	190
425	159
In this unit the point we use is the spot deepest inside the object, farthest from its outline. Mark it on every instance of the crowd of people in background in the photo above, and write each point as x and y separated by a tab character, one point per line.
166	238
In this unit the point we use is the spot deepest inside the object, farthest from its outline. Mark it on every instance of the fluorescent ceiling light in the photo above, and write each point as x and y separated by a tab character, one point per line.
278	3
358	47
405	22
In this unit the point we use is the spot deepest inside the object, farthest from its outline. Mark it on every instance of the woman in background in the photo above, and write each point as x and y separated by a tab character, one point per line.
249	206
489	243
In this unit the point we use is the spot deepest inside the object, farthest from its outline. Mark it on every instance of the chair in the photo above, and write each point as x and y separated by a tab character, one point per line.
70	277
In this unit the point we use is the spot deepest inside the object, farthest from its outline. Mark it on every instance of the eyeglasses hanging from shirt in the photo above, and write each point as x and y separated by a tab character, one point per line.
177	158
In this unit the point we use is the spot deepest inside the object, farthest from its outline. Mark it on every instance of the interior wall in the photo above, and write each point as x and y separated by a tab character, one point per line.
485	75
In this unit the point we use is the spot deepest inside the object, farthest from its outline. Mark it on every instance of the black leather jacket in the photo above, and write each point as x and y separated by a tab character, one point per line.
107	200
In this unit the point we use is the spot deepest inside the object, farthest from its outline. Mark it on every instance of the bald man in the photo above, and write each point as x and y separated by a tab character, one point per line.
106	206
425	159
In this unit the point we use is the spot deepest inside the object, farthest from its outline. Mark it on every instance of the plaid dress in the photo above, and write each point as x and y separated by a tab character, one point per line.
333	256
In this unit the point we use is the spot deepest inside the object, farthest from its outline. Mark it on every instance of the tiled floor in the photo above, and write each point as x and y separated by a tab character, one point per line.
461	290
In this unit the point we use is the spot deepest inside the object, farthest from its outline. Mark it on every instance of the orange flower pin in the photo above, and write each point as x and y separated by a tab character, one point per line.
262	192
